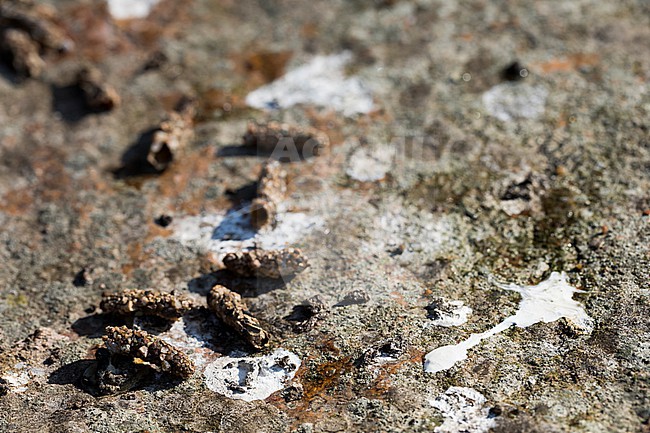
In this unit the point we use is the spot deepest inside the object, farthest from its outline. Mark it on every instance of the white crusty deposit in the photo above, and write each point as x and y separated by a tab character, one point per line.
449	313
251	377
509	101
128	9
545	302
464	411
321	82
233	232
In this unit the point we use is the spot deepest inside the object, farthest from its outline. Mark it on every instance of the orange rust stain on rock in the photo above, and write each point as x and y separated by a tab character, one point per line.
262	67
324	377
318	383
155	231
53	181
135	254
93	31
17	202
219	99
567	64
397	296
174	182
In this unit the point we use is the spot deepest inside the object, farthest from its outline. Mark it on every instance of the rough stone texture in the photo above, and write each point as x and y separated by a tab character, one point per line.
452	211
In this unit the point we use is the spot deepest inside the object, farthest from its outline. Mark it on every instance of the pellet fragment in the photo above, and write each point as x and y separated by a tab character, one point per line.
38	20
271	190
266	264
172	134
285	142
25	57
140	345
98	94
28	31
230	309
147	302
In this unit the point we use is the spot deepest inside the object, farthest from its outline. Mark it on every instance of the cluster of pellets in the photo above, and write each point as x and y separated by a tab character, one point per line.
142	348
126	350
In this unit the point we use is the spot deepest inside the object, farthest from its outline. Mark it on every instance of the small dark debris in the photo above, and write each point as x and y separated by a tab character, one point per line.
514	72
521	190
354	297
293	392
81	279
305	315
392	349
495	412
98	95
155	61
164	220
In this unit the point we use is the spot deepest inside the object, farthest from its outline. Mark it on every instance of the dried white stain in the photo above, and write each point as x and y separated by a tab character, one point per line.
508	101
464	411
370	165
419	234
251	378
321	82
129	9
451	313
21	376
192	335
545	302
233	231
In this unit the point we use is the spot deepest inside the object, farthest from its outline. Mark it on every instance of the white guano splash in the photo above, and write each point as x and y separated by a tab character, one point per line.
545	302
464	411
251	378
370	165
509	101
321	82
129	9
232	232
451	313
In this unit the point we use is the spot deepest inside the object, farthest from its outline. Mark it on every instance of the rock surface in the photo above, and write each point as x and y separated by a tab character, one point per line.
446	175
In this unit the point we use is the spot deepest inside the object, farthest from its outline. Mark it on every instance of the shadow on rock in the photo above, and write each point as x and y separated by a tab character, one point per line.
235	226
70	374
110	375
238	150
246	287
70	102
135	160
94	326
